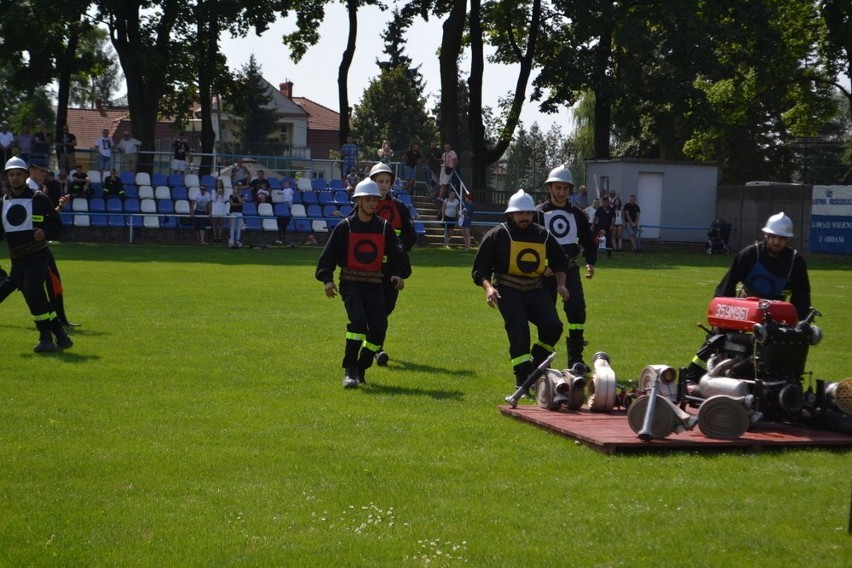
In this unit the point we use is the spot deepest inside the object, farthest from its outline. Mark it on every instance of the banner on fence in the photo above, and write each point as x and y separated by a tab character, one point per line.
831	219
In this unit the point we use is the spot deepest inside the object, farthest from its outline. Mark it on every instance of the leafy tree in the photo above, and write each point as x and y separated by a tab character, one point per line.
100	80
392	108
252	100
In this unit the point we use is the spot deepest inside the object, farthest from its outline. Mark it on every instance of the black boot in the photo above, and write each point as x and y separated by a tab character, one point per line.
62	339
522	371
576	344
45	338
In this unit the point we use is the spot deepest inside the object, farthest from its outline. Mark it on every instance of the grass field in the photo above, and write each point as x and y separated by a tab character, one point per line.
199	420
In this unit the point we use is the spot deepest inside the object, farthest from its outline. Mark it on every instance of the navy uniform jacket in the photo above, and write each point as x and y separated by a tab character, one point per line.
769	278
22	215
570	227
337	249
495	251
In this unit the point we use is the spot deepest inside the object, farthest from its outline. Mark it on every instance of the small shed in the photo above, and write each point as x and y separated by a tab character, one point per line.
677	199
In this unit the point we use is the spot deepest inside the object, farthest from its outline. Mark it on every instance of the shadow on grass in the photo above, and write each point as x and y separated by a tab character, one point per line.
437	394
657	257
65	355
404	365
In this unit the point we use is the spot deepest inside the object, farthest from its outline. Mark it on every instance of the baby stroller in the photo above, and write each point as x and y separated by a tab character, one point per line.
717	237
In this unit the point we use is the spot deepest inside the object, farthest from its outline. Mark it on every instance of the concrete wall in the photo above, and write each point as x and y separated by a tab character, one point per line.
678	199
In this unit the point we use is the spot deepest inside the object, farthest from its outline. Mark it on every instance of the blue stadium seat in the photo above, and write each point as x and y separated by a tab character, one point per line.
131	205
208	181
301	226
97	204
179	192
314	211
131	192
325	197
340	196
345	210
159	179
98	221
319	184
297	197
167	207
175	180
330	211
309	197
117	220
128	178
335	184
249	211
274	183
281	210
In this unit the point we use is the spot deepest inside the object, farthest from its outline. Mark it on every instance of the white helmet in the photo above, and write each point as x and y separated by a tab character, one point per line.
779	224
520	202
382	168
366	187
560	174
16	163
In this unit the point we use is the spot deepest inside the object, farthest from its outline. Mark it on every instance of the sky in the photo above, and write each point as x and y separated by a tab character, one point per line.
315	76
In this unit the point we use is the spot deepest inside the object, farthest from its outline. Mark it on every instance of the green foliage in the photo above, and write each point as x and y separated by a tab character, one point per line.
393	108
251	100
199	420
101	77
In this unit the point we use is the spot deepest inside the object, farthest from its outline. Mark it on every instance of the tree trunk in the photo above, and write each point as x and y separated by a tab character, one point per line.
208	34
63	92
451	42
343	70
481	155
603	95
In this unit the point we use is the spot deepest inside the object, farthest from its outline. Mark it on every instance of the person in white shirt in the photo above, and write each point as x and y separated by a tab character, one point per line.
129	146
200	208
104	148
7	138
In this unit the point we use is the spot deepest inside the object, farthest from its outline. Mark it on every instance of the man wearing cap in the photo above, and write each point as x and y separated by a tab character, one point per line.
398	215
769	269
29	220
359	245
569	225
511	260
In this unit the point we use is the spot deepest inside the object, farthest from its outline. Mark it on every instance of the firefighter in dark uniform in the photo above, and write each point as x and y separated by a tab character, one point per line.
771	270
569	225
508	266
360	245
398	215
29	221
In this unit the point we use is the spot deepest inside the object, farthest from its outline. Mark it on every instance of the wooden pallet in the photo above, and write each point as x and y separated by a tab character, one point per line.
610	433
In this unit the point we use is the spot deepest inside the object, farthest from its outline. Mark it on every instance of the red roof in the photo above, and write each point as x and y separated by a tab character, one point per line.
87	124
319	117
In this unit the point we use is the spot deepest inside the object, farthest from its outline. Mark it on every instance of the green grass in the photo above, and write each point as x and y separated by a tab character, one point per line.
199	420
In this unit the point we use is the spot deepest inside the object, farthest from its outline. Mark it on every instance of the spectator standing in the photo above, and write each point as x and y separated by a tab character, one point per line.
411	158
631	221
450	216
30	221
581	197
569	225
7	140
181	156
63	180
590	210
508	266
349	156
449	162
103	145
433	164
66	149
396	213
359	245
385	152
41	146
200	208
51	187
240	175
24	142
219	211
130	147
236	226
604	220
112	185
466	218
617	224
